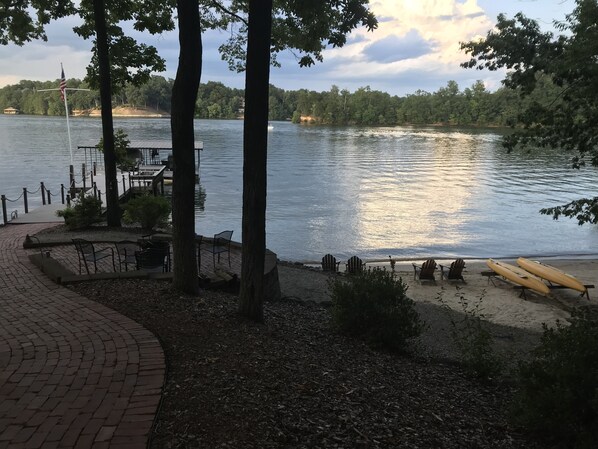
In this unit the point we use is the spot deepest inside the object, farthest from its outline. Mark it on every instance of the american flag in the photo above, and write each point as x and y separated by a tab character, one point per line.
62	84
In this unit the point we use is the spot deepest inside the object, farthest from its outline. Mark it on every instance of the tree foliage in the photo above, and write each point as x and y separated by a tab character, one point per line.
22	21
472	106
566	66
306	26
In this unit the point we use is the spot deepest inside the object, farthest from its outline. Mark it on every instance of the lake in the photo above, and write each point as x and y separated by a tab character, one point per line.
402	191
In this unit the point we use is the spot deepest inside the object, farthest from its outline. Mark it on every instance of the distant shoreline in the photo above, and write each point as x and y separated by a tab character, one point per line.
122	111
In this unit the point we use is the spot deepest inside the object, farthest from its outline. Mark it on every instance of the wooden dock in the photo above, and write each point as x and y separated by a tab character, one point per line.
146	179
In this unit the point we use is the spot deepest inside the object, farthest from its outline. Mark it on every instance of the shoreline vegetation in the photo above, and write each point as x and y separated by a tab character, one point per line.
449	106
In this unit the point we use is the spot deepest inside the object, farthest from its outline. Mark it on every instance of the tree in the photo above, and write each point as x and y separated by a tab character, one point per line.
567	118
18	24
255	143
117	59
329	21
184	96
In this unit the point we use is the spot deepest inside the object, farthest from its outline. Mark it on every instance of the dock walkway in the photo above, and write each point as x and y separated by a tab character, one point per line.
73	373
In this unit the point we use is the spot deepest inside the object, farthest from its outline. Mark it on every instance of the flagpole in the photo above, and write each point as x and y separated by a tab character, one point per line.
63	89
68	126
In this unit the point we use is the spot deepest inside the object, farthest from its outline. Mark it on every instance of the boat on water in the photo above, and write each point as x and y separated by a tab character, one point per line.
518	276
551	274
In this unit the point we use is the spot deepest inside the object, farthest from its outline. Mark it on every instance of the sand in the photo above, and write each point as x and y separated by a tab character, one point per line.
516	323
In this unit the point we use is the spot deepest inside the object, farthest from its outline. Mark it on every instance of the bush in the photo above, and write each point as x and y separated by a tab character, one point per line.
147	210
373	305
473	340
86	211
557	397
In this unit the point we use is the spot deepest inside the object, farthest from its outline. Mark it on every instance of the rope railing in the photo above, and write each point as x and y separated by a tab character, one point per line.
82	182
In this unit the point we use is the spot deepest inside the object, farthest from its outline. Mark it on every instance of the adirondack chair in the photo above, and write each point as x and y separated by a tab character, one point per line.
329	263
454	272
355	265
425	271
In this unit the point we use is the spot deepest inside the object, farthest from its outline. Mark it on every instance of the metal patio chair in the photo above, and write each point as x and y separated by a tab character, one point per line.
125	251
220	244
87	253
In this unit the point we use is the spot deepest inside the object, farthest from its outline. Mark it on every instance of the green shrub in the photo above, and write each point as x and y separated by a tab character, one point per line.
557	396
147	210
373	305
473	340
86	211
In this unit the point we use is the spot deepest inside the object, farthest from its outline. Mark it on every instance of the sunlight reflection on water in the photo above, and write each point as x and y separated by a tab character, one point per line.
405	192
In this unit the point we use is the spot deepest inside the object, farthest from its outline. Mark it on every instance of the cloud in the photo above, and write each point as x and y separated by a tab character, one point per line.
416	46
393	48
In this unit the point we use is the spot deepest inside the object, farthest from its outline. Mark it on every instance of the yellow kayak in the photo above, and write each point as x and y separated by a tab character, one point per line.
551	274
518	276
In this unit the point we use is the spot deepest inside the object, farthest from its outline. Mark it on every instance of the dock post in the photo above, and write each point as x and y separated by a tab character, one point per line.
95	168
4	215
72	180
62	193
68	200
95	190
25	200
43	189
49	197
91	177
83	174
100	196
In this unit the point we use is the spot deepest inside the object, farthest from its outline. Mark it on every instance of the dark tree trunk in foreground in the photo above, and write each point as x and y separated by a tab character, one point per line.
184	95
112	209
255	143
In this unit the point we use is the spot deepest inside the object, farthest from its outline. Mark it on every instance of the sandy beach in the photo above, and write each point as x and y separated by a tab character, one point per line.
515	322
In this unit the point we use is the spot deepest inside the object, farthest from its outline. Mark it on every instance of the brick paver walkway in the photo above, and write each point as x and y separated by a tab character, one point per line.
73	373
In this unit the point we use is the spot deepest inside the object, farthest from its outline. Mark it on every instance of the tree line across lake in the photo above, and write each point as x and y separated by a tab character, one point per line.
475	105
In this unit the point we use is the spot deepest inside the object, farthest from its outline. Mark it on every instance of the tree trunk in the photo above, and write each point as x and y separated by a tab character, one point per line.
184	96
112	208
255	143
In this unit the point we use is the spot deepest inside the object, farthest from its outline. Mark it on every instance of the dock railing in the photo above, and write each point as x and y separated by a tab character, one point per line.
88	181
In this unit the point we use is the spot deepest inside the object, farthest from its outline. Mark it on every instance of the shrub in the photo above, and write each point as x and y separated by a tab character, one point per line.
557	394
473	340
147	210
86	211
373	305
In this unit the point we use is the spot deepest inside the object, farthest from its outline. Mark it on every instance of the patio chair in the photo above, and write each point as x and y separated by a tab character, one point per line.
87	252
454	272
220	244
154	259
329	263
355	265
125	251
425	271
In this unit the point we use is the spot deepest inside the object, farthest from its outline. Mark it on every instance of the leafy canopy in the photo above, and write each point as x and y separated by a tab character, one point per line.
304	25
568	118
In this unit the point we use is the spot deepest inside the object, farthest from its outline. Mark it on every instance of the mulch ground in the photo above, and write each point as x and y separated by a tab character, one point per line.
294	383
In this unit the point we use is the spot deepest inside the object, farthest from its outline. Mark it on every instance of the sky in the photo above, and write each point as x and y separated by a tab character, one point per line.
416	46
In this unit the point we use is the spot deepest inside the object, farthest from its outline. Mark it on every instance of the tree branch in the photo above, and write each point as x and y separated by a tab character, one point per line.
219	6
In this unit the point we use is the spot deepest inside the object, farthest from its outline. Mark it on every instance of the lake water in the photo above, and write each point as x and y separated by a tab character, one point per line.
374	192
